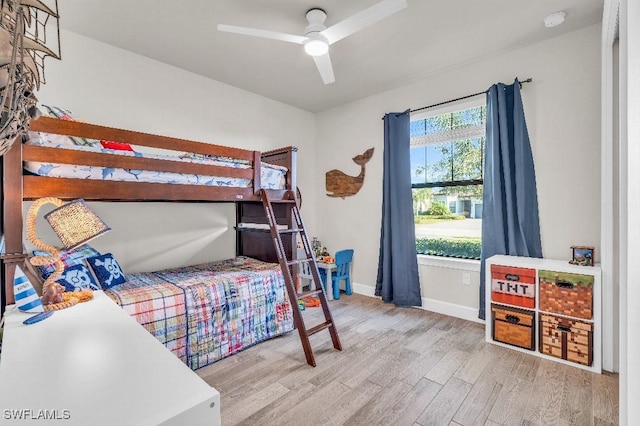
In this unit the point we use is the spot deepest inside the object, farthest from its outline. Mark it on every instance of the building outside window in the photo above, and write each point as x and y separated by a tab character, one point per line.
447	148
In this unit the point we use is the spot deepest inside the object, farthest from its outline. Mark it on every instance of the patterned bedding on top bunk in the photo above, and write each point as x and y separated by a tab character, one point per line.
271	176
206	312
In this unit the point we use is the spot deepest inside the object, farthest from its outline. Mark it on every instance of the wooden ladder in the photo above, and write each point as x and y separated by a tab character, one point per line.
286	264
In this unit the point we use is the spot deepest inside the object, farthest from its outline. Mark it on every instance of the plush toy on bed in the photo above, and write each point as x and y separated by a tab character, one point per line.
54	297
52	293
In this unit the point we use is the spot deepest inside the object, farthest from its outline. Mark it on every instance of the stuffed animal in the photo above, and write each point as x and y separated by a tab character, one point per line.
52	293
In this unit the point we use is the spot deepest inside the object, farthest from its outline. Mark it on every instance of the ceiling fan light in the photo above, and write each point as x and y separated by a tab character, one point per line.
315	47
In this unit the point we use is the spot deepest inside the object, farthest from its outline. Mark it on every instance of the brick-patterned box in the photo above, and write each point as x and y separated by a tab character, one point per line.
513	326
513	286
566	338
566	294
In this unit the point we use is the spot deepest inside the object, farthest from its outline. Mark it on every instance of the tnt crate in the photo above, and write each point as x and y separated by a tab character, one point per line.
513	286
566	338
513	326
566	293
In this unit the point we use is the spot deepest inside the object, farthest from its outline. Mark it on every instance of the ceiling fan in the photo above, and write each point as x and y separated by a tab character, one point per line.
317	37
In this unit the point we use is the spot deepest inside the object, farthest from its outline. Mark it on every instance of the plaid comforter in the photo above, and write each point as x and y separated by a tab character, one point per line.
206	312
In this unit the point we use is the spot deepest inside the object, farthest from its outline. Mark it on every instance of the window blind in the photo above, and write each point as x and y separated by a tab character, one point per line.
449	135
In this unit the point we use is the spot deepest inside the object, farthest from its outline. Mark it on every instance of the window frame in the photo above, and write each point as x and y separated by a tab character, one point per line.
451	262
446	109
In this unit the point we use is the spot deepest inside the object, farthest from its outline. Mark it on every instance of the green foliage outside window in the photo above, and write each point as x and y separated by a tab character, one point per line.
458	160
438	209
421	197
465	248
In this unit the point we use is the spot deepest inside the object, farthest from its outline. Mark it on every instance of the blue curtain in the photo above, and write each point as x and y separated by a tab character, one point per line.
510	223
397	280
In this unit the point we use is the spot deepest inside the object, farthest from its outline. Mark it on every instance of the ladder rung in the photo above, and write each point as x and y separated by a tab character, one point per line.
289	231
298	261
309	293
282	201
319	327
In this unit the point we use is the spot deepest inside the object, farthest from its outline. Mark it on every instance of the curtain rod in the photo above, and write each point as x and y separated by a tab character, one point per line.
528	80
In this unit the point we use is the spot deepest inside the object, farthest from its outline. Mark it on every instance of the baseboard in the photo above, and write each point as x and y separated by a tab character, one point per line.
458	311
363	289
453	310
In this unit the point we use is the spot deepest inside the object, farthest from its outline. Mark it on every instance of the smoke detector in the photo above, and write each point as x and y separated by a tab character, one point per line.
555	19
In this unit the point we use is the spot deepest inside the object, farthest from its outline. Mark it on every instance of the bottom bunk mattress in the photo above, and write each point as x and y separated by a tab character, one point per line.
203	313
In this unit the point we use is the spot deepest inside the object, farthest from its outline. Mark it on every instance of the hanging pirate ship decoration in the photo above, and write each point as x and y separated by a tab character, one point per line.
26	39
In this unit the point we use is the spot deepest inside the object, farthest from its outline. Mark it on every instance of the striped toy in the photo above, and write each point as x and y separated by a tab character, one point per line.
27	300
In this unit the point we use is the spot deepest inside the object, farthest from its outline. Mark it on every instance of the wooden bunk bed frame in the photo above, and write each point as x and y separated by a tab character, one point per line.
18	186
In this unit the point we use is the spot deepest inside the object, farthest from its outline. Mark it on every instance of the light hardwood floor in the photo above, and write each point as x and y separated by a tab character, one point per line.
404	366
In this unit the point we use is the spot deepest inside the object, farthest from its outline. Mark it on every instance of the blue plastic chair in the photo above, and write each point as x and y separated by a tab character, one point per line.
343	272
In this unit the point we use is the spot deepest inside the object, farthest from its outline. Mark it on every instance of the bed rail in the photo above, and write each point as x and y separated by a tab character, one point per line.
67	188
93	131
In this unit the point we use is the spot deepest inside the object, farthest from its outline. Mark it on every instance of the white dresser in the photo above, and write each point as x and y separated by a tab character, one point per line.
560	319
92	364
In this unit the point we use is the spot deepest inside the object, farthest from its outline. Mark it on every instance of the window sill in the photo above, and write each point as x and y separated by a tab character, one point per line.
449	262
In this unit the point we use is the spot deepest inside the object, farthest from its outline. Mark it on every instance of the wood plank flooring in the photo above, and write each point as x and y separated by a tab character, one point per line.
404	366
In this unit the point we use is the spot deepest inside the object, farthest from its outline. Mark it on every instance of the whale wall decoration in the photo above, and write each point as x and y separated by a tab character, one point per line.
340	184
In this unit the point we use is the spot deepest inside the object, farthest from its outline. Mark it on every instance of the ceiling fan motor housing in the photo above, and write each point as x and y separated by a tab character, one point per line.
316	18
316	43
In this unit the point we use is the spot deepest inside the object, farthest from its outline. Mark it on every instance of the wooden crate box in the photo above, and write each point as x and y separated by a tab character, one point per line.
566	293
566	339
513	326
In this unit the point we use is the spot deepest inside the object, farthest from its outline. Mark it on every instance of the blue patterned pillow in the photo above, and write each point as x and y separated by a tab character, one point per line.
106	270
77	278
69	259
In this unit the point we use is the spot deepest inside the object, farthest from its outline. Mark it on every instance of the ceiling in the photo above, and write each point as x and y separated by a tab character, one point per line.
427	37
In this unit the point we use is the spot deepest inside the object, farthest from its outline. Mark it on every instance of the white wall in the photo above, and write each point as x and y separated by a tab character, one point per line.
630	225
105	85
562	107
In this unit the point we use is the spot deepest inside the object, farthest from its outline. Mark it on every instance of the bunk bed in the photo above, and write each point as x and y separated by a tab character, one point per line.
218	174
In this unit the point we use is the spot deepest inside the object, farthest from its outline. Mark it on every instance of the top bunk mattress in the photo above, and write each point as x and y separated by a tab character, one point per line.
271	176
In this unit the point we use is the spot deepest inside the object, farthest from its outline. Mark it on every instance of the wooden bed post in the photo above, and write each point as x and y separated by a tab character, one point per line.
12	217
291	176
257	168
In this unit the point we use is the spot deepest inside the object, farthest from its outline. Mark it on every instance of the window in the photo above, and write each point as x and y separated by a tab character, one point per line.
447	151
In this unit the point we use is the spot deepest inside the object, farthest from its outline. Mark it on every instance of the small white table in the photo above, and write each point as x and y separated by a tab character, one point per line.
92	364
328	268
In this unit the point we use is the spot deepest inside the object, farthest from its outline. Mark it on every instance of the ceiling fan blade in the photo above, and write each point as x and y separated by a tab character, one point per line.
323	63
262	33
363	19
